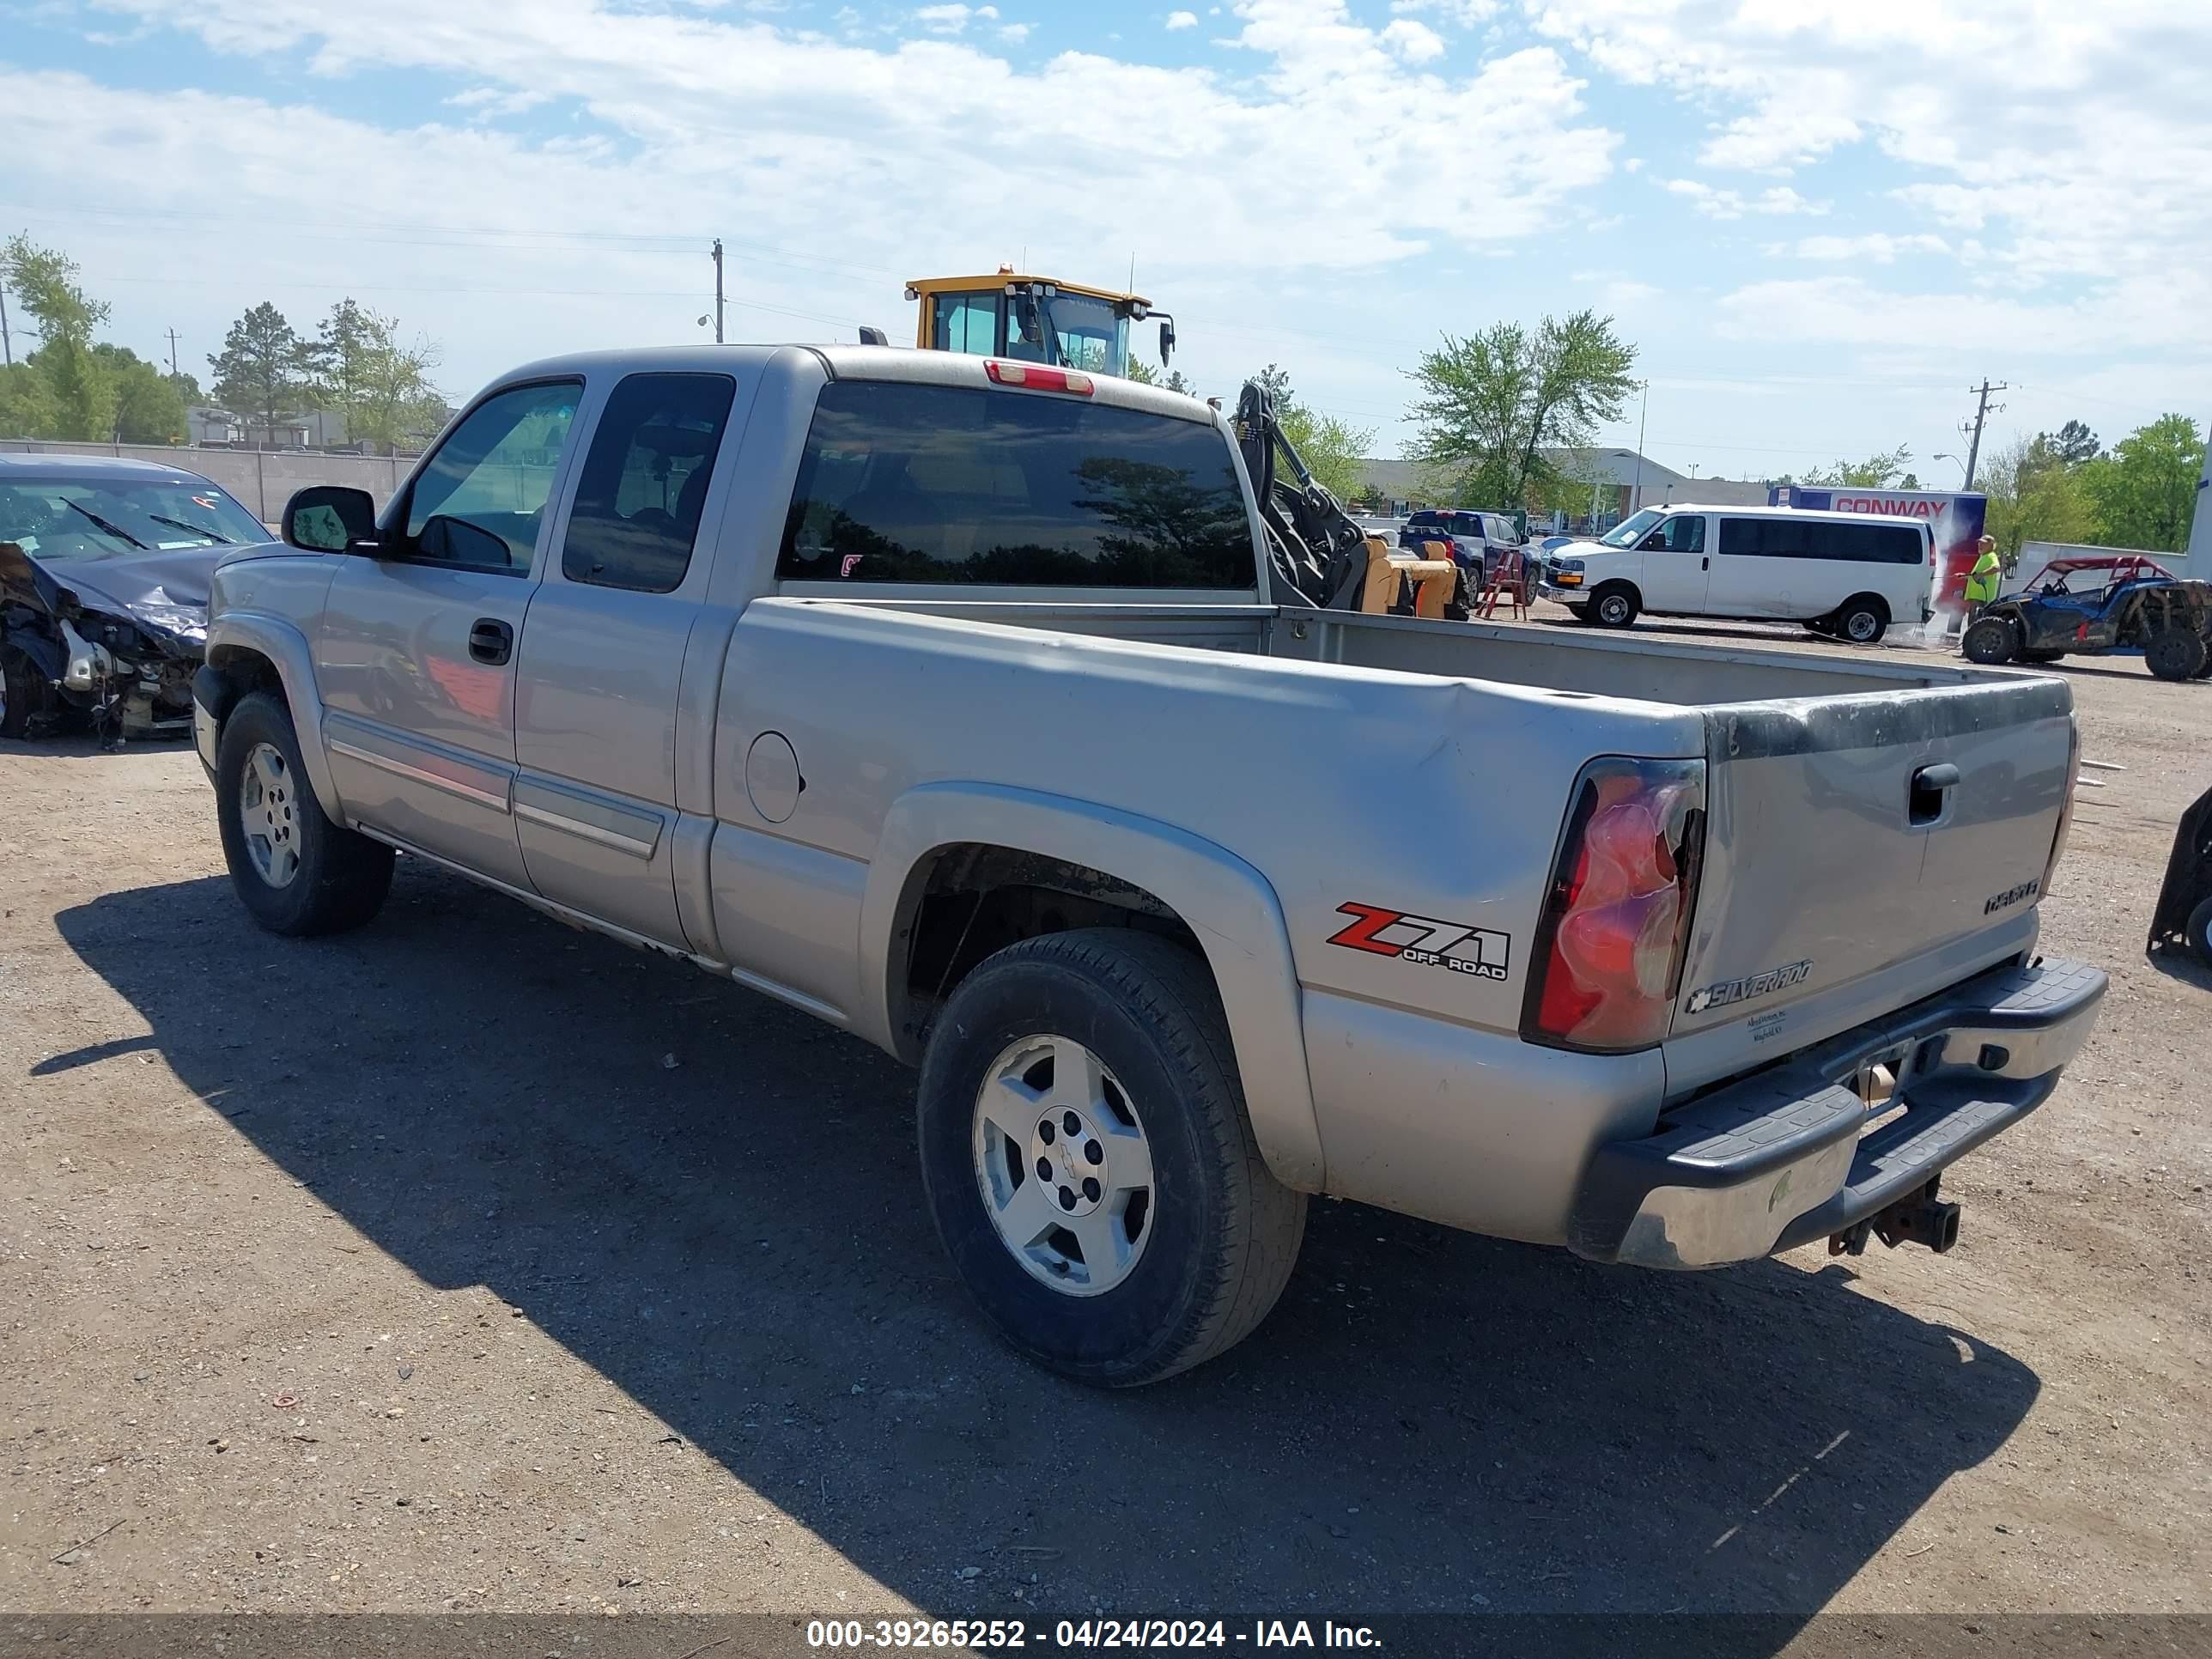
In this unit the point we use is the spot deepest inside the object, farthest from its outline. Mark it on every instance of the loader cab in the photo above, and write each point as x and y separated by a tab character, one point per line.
1036	320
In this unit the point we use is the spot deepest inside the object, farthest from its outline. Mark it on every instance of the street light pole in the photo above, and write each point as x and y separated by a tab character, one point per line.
1946	455
1643	404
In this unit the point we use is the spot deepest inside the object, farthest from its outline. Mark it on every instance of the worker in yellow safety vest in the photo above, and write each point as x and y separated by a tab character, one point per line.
1982	581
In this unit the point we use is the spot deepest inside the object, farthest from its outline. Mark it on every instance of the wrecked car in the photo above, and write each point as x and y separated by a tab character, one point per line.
104	569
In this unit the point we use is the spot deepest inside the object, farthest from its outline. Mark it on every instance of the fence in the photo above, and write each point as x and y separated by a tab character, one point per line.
263	479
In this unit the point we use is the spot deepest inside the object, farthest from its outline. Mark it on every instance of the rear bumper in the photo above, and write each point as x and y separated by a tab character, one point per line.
1779	1159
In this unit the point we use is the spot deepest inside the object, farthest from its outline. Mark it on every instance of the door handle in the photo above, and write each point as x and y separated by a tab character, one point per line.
1924	801
491	640
1705	563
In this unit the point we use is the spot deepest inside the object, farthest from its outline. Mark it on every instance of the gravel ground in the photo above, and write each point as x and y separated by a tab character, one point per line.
467	1261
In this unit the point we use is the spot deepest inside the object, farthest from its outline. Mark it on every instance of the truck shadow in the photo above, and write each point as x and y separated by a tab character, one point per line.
1429	1422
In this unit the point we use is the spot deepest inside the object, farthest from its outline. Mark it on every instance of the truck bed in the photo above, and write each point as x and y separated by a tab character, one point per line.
1834	886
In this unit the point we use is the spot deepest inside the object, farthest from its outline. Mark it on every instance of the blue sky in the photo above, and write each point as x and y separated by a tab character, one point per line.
1820	221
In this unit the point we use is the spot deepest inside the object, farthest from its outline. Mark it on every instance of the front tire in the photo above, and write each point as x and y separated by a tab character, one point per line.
1992	641
1155	1236
2200	930
22	693
1614	606
1861	620
297	871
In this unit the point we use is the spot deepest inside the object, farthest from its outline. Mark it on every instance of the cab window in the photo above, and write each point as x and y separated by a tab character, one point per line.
948	484
644	481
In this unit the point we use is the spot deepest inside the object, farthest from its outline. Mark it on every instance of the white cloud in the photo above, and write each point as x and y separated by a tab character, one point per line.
1718	204
2081	137
1416	43
952	19
1876	247
1460	14
2140	314
1015	33
1183	19
685	125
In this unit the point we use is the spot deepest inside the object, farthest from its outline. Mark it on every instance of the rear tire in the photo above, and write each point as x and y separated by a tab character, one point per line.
297	871
1614	606
1992	641
2176	654
1122	1032
1862	619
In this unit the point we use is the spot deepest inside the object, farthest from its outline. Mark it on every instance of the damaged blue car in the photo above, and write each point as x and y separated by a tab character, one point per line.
104	569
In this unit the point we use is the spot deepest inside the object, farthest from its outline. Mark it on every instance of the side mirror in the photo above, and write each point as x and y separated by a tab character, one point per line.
331	519
1167	339
870	336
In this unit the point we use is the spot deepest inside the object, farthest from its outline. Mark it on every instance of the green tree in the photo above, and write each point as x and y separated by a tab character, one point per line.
2034	496
76	399
149	406
1490	404
2146	489
265	370
27	408
1877	471
1145	374
363	369
2072	444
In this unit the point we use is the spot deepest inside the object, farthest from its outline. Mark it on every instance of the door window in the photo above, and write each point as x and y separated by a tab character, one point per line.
966	322
1683	533
644	481
480	500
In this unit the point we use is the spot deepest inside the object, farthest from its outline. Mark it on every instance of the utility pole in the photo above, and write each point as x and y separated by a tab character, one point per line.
6	345
172	353
718	290
1983	410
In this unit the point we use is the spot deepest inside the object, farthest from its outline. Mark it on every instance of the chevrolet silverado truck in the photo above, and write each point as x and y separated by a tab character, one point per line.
965	704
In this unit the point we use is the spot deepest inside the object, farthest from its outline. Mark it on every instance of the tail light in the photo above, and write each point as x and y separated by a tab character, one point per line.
1608	949
2065	805
1038	377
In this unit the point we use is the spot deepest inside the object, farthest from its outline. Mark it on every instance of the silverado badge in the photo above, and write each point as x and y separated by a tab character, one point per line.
1743	990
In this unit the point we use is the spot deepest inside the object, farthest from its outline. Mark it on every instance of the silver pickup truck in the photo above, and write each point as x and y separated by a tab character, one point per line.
957	703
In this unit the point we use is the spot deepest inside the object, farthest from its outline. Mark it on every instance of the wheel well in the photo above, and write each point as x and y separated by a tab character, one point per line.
243	670
968	900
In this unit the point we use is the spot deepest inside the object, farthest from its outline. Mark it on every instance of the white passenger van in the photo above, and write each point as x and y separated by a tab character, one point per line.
1846	574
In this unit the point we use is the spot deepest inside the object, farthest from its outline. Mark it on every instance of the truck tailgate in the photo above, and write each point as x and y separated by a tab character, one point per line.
1849	837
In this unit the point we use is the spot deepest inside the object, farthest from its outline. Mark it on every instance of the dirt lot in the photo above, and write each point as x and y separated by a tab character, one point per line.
467	1261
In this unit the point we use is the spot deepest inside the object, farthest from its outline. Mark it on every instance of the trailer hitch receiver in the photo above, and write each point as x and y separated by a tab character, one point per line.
1918	1217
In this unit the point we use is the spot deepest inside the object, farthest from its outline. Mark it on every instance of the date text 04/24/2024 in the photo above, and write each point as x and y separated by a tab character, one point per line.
934	1633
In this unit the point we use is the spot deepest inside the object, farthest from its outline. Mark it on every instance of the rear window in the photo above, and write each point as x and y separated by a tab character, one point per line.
1781	537
950	484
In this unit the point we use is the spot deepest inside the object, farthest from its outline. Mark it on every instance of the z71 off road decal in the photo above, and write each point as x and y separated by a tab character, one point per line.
1425	940
1744	989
